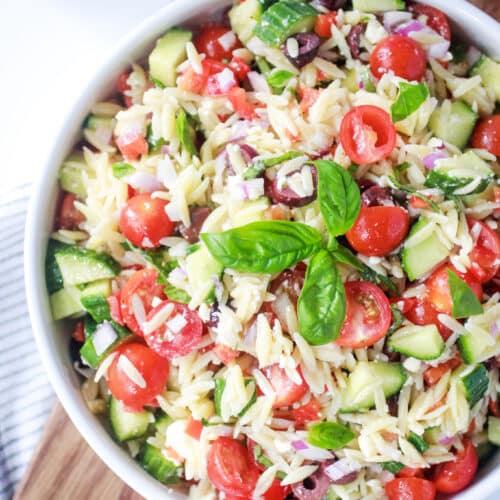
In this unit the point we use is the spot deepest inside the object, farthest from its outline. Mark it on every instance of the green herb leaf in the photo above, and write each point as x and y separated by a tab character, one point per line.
263	247
177	294
322	302
410	98
263	65
415	193
279	78
420	444
154	144
259	166
122	169
397	319
392	466
329	435
220	385
185	133
338	196
464	300
401	168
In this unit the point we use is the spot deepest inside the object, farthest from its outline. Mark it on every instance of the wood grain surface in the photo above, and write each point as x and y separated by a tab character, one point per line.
65	468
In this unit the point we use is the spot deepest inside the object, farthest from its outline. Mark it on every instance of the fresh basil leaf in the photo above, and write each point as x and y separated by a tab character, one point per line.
322	302
185	133
259	166
420	444
411	97
338	196
220	385
401	168
177	294
392	466
464	300
263	247
279	78
397	319
329	435
352	168
122	169
415	193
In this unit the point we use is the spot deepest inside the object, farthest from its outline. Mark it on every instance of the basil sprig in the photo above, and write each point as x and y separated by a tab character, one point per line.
329	435
122	169
185	132
411	97
322	302
464	300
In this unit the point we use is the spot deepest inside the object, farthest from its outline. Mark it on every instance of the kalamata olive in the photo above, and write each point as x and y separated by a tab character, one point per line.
365	184
377	196
348	478
290	282
313	487
198	216
332	4
354	39
214	316
301	49
288	196
392	403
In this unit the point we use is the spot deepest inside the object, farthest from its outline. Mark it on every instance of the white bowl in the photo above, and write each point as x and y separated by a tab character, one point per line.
52	337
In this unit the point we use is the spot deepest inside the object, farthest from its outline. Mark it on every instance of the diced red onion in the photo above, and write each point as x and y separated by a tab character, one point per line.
472	55
258	82
495	328
438	50
407	28
343	471
165	149
361	85
143	181
430	159
446	440
311	452
103	337
395	17
250	189
177	274
300	445
247	152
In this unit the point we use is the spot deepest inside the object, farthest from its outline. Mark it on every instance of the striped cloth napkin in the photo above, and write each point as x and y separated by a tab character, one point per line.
26	397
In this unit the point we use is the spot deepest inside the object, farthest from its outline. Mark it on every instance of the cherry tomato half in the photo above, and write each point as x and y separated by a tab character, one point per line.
436	19
143	284
379	230
198	83
276	491
438	289
486	254
240	103
217	42
454	476
433	374
144	222
324	23
368	315
69	216
367	134
287	391
152	368
179	333
230	469
132	145
423	313
310	412
410	488
487	135
401	55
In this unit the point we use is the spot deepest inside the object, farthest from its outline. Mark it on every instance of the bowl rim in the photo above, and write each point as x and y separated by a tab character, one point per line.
36	231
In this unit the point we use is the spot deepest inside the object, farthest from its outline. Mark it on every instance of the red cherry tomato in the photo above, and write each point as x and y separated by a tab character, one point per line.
410	488
198	83
69	216
485	255
436	19
410	472
179	334
276	491
240	68
423	313
367	134
144	222
122	86
438	289
433	374
152	368
143	284
379	230
132	145
194	428
230	469
401	55
79	332
208	42
454	476
310	412
308	97
368	315
239	101
115	310
487	135
323	25
225	353
287	391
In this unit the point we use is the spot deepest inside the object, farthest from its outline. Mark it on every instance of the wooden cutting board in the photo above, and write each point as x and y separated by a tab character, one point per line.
65	468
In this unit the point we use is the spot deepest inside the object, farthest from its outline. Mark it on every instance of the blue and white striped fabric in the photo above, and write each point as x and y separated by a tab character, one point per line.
26	396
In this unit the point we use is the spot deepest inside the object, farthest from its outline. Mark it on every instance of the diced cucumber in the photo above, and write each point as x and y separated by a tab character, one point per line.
93	299
81	265
243	18
367	81
53	276
202	271
169	52
476	348
455	126
94	122
162	421
127	425
220	385
89	326
420	342
475	382
350	82
356	396
433	434
283	19
421	257
377	5
452	174
494	430
72	174
418	442
65	302
489	71
156	464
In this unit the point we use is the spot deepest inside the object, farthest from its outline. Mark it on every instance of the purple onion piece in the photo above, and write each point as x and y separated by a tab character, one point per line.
288	196
198	216
247	152
430	159
308	48
332	4
348	478
313	487
354	39
214	316
377	196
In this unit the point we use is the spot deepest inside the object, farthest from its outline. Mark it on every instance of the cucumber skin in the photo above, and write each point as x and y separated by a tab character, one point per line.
448	184
475	384
53	276
155	464
485	67
393	344
494	430
138	422
377	5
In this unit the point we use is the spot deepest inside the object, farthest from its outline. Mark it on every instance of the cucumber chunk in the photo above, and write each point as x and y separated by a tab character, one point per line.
53	276
420	342
65	303
93	300
169	52
243	18
356	397
283	19
453	174
377	5
72	175
475	348
127	425
475	382
453	124
202	269
80	265
418	442
419	258
489	71
494	430
156	464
